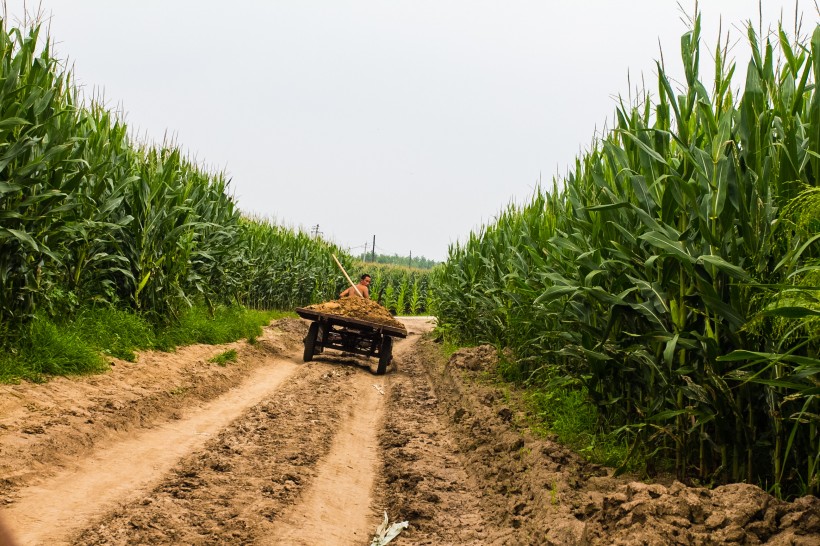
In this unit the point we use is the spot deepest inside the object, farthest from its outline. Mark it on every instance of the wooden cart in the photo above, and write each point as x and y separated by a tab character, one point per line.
350	335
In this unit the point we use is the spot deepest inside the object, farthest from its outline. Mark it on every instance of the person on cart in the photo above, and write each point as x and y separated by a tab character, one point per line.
363	291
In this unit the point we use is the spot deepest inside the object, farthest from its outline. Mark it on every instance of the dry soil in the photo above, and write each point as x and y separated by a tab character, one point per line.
174	449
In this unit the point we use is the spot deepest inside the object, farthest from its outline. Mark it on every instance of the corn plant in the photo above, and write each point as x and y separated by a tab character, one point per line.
651	275
89	216
416	296
402	289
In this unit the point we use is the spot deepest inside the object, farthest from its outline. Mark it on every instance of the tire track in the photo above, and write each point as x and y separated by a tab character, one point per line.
291	456
424	479
124	466
336	509
238	486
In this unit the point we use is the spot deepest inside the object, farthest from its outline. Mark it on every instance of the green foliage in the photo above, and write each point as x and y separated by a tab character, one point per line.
112	331
53	351
88	216
401	289
225	324
444	335
224	357
282	269
575	421
76	345
672	274
48	350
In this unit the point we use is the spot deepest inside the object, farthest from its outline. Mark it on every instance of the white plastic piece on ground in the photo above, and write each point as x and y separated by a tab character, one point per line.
387	531
378	388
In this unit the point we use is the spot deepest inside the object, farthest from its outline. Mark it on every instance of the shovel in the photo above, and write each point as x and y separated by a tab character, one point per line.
346	275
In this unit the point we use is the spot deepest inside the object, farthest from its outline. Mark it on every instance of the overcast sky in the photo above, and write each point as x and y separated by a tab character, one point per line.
415	121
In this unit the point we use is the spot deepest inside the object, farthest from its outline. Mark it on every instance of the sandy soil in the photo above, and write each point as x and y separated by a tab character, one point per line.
269	450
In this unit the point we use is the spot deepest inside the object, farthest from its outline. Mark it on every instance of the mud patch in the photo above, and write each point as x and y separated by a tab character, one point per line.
423	478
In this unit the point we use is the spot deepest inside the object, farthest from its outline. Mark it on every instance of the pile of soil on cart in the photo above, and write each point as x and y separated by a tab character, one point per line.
359	308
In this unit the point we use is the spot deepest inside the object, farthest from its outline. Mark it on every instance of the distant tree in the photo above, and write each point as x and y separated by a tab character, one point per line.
415	261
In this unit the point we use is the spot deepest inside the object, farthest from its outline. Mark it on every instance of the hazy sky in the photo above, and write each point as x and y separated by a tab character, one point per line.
412	120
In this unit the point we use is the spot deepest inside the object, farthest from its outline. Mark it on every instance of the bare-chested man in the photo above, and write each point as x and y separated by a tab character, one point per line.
362	286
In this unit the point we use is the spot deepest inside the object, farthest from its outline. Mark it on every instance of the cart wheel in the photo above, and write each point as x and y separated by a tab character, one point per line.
385	354
310	341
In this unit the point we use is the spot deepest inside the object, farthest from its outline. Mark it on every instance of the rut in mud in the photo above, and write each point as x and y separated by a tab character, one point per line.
268	450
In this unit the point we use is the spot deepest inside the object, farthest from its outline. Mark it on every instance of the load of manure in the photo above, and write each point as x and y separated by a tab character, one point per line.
358	308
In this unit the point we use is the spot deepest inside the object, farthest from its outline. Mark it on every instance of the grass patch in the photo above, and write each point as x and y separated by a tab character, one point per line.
47	349
12	368
114	332
226	324
561	407
446	338
223	358
79	345
567	413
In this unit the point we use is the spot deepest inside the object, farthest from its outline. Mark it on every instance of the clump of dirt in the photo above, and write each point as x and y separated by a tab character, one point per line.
532	490
475	358
424	480
737	513
359	308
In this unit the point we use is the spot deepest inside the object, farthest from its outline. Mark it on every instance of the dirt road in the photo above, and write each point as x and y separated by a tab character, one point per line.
269	450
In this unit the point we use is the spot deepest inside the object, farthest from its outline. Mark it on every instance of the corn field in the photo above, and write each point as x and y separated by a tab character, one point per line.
673	274
402	290
89	216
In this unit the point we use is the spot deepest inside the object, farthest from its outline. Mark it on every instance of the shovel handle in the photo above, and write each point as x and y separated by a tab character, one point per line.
346	275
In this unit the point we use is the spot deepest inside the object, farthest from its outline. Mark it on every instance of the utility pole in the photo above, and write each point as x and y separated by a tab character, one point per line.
315	231
410	261
365	252
374	249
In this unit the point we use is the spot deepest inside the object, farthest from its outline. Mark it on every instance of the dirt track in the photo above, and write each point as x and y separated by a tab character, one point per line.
268	450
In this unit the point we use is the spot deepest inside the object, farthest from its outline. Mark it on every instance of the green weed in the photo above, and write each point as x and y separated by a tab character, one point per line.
78	345
554	494
113	331
568	414
224	357
225	324
51	350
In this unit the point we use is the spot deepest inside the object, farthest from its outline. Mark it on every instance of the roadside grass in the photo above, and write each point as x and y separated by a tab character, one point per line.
113	332
559	407
45	349
224	357
225	324
446	340
568	414
79	346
